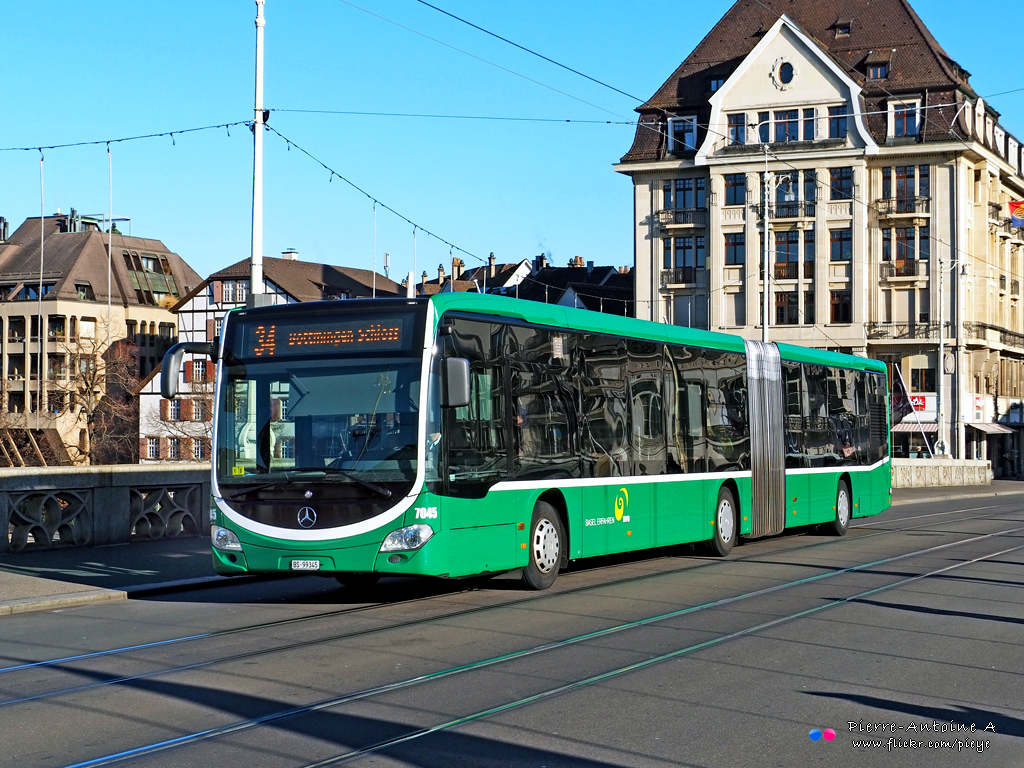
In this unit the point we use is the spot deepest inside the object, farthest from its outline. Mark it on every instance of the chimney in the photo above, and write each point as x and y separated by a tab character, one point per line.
458	267
492	266
290	253
541	262
3	229
440	273
577	261
590	267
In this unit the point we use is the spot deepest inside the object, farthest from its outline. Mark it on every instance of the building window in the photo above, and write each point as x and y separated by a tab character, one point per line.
904	244
924	235
174	448
923	183
288	448
763	126
666	251
716	83
922	379
809	307
684	134
198	451
878	71
904	120
809	124
886	245
217	325
689	194
809	252
174	410
837	122
787	308
735	189
198	370
842	29
153	448
787	125
737	129
841	182
787	252
842	307
735	248
198	410
840	244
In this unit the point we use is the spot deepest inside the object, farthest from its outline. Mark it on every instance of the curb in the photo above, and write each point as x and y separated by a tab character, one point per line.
53	602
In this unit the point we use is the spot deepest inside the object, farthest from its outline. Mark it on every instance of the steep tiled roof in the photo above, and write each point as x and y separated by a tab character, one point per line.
917	60
549	283
81	257
309	281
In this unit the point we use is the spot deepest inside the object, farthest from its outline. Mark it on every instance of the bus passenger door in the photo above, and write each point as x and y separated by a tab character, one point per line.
797	479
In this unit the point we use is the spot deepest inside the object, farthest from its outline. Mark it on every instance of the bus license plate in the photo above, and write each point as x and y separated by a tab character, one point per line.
305	565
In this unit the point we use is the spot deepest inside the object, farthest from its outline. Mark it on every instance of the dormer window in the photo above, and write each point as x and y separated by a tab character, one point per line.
878	71
842	29
683	131
905	119
716	83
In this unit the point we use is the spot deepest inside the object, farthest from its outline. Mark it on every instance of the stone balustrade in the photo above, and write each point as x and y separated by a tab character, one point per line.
920	473
94	506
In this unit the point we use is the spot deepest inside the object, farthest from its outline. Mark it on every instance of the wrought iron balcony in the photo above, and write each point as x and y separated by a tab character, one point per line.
907	330
896	206
788	270
797	209
697	217
682	275
906	268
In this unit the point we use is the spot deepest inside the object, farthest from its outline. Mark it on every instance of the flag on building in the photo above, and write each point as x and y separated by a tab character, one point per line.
1017	214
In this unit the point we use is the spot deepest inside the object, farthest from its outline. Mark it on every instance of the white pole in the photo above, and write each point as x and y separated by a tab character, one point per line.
764	286
39	338
110	237
940	370
256	269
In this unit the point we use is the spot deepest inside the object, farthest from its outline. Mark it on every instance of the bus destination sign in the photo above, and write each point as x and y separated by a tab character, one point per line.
303	338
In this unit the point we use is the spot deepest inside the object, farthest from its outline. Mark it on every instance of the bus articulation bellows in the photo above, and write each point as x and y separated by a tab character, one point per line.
470	434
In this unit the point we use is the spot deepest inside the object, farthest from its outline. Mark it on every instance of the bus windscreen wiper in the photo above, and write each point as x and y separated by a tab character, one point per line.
313	474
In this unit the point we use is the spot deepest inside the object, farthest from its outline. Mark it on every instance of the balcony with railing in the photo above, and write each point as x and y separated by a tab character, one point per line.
905	268
796	209
787	270
907	331
891	207
995	212
986	332
683	217
684	276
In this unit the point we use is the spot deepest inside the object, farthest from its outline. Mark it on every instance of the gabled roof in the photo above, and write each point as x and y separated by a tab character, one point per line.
71	258
917	60
310	281
548	284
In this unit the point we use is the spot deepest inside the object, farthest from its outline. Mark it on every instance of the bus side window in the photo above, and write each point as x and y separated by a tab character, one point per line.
794	392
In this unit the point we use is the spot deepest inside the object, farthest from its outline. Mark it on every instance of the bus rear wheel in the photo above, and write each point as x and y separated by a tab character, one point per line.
725	524
546	547
843	506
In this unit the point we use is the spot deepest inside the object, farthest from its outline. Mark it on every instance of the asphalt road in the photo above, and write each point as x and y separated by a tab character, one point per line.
891	643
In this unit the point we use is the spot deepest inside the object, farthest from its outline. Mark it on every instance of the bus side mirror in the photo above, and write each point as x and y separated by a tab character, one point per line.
456	383
170	369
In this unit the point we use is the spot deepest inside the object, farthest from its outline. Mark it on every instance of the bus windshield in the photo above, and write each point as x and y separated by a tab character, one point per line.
340	421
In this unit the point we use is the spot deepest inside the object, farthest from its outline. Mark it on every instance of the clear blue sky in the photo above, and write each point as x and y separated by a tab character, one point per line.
83	73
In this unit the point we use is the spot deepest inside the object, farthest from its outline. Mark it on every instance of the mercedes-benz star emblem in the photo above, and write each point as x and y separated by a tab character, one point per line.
307	517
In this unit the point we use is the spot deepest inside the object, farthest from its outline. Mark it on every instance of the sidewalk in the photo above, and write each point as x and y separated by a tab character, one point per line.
35	581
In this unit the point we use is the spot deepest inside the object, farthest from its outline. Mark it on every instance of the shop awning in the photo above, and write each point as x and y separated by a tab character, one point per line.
992	429
913	426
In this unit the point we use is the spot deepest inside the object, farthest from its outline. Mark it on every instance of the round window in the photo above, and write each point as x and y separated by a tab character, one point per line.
785	73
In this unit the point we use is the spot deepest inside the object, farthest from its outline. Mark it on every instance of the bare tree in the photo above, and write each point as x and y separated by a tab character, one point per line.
101	384
187	420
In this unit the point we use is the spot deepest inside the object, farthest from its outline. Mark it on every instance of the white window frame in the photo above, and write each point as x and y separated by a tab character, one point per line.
152	447
674	142
915	105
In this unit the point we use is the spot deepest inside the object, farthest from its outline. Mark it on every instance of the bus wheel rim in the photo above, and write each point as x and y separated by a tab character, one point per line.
843	507
725	520
545	546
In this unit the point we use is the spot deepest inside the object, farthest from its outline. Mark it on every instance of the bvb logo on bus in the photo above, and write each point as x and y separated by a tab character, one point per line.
621	503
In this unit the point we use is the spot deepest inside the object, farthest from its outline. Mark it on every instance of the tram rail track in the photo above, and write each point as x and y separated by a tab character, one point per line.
361	695
63	665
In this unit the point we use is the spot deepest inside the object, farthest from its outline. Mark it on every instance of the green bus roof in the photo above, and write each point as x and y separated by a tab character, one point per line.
598	322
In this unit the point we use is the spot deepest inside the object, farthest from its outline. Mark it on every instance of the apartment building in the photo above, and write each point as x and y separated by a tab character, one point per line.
847	132
76	322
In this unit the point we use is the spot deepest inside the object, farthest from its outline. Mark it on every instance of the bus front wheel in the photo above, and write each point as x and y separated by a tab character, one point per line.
546	546
841	522
725	524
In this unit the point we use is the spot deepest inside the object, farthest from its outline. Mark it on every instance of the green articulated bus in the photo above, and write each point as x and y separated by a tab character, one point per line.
470	434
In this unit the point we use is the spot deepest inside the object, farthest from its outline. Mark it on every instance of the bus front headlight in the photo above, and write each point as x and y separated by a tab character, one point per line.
408	538
224	539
